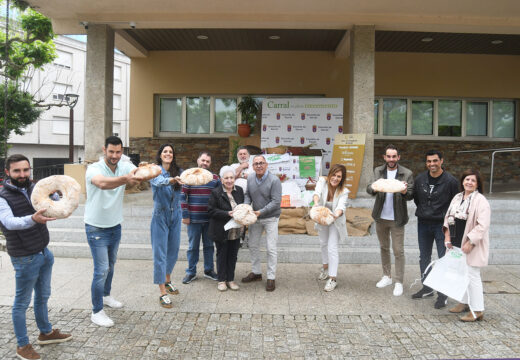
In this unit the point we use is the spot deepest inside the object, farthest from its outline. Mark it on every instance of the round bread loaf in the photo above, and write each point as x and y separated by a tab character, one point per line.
196	176
67	187
388	185
244	214
147	171
322	215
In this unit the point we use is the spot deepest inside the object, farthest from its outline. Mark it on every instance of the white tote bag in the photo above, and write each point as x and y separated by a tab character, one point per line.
449	274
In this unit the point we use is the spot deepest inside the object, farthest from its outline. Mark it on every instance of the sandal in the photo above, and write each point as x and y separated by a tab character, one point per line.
171	289
165	301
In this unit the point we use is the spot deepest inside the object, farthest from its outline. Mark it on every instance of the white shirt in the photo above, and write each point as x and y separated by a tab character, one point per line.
388	207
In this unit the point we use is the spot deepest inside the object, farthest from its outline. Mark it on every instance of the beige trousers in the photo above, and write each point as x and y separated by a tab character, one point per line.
386	229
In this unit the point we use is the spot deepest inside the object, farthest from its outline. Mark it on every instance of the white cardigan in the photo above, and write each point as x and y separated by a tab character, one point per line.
339	202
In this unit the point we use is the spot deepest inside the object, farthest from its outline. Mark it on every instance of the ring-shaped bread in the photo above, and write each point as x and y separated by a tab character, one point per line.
322	215
196	176
244	214
147	171
388	185
64	185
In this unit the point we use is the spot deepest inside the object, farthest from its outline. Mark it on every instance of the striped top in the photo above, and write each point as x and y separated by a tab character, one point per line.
194	201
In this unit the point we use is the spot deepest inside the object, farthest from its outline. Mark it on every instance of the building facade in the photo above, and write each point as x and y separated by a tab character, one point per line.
46	141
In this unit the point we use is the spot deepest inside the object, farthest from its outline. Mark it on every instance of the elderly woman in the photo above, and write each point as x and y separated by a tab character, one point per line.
466	225
222	201
332	193
166	222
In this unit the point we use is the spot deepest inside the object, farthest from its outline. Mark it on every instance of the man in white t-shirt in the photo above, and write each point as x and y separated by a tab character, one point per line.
242	168
391	215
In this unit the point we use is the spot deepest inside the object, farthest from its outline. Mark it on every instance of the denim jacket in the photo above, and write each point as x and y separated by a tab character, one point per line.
165	198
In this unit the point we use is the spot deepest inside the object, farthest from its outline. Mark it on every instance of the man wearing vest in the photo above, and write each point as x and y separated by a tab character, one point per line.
27	238
105	181
391	215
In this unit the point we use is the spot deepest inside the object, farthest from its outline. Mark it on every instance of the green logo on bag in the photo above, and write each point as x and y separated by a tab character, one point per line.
456	254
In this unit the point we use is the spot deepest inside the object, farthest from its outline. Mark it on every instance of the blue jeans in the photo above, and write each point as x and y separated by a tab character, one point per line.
195	231
166	238
428	233
32	272
104	243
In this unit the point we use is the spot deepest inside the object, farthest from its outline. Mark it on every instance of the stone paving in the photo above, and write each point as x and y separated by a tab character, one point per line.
297	321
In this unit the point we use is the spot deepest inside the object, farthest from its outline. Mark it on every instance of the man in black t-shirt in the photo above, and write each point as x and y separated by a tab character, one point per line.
433	191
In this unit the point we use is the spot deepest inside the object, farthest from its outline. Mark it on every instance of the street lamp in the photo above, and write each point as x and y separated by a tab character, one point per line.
72	100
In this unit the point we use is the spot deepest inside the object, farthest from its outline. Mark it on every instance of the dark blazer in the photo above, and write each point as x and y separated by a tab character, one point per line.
218	209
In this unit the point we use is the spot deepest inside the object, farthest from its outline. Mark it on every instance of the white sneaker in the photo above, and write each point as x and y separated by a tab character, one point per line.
398	289
113	303
385	281
330	285
101	319
324	274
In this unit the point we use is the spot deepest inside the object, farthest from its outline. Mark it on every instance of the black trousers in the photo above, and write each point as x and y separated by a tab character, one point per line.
227	259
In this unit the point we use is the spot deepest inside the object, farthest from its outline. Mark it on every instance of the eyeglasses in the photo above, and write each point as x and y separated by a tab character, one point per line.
259	164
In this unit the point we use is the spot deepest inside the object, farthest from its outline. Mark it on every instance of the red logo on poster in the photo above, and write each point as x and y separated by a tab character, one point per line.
289	128
302	140
314	128
277	116
327	165
329	116
277	139
340	129
264	128
327	141
302	116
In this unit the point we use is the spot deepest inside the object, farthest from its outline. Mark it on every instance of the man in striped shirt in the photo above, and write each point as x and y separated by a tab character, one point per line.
194	204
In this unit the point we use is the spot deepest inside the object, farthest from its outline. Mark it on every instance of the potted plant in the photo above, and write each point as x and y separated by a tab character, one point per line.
248	108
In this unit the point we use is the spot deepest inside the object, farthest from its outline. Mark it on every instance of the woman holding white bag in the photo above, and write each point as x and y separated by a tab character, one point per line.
331	192
466	225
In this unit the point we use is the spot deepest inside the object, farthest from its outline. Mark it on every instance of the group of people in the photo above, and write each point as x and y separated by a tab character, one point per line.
446	216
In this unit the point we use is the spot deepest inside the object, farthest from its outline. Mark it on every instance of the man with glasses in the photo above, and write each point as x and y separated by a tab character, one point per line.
264	193
432	194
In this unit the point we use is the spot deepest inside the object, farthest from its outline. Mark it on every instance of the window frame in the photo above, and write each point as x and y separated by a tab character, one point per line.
463	137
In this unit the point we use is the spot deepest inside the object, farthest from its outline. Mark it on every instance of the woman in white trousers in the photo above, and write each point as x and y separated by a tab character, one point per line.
331	192
466	224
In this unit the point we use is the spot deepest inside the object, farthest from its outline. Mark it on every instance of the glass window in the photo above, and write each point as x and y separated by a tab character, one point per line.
171	114
63	59
422	117
376	116
59	91
504	119
117	72
394	116
117	101
197	115
226	115
476	118
450	115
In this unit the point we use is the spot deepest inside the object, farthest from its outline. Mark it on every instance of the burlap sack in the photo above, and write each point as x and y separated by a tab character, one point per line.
359	221
289	213
292	226
310	226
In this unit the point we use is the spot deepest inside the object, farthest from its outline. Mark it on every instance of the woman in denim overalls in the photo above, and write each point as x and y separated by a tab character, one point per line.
166	222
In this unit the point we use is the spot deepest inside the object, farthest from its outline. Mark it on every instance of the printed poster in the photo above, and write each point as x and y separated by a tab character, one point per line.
349	150
301	122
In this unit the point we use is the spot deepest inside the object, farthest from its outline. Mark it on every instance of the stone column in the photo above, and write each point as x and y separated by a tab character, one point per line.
99	89
362	88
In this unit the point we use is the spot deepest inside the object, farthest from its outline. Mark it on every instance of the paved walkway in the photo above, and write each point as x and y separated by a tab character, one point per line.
297	321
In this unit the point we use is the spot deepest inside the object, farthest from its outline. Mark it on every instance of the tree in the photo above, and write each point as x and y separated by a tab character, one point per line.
25	45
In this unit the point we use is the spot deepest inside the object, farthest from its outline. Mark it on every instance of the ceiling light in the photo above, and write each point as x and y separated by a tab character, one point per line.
202	37
274	37
427	39
496	42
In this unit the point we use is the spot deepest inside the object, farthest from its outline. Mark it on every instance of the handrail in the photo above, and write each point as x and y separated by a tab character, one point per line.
494	151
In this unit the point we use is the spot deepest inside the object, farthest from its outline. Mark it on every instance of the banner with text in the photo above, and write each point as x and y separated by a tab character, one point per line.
349	150
302	122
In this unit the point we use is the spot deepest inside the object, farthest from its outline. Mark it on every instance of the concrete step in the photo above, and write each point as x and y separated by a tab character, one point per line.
142	237
291	254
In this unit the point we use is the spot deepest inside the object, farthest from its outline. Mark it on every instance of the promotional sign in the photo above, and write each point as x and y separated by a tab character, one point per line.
349	150
302	122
